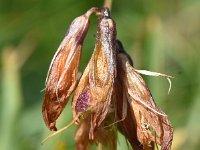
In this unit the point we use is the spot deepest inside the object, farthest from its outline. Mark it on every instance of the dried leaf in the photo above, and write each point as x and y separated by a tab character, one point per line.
63	71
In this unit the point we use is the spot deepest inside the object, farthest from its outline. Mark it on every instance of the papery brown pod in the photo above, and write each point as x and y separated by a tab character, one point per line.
152	124
62	74
96	85
102	70
126	123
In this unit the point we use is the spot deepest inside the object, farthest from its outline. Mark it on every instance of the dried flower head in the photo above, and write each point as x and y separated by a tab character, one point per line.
110	94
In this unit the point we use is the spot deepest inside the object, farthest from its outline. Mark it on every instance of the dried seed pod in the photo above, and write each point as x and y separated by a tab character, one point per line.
96	84
152	124
62	74
126	124
102	70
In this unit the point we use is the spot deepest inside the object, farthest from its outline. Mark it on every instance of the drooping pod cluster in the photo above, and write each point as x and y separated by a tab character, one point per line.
110	94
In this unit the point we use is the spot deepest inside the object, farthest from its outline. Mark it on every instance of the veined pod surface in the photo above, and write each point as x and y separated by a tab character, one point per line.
63	70
152	124
102	70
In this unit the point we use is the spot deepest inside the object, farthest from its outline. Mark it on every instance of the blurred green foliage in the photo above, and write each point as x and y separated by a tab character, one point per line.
161	36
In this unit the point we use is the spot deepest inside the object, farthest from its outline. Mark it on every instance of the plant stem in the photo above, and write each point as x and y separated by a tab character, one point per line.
108	4
100	146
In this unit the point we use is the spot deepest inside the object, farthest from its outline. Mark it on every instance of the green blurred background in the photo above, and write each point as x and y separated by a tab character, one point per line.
161	36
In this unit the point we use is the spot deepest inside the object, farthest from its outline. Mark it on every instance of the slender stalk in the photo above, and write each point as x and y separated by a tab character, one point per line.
61	130
108	4
100	146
